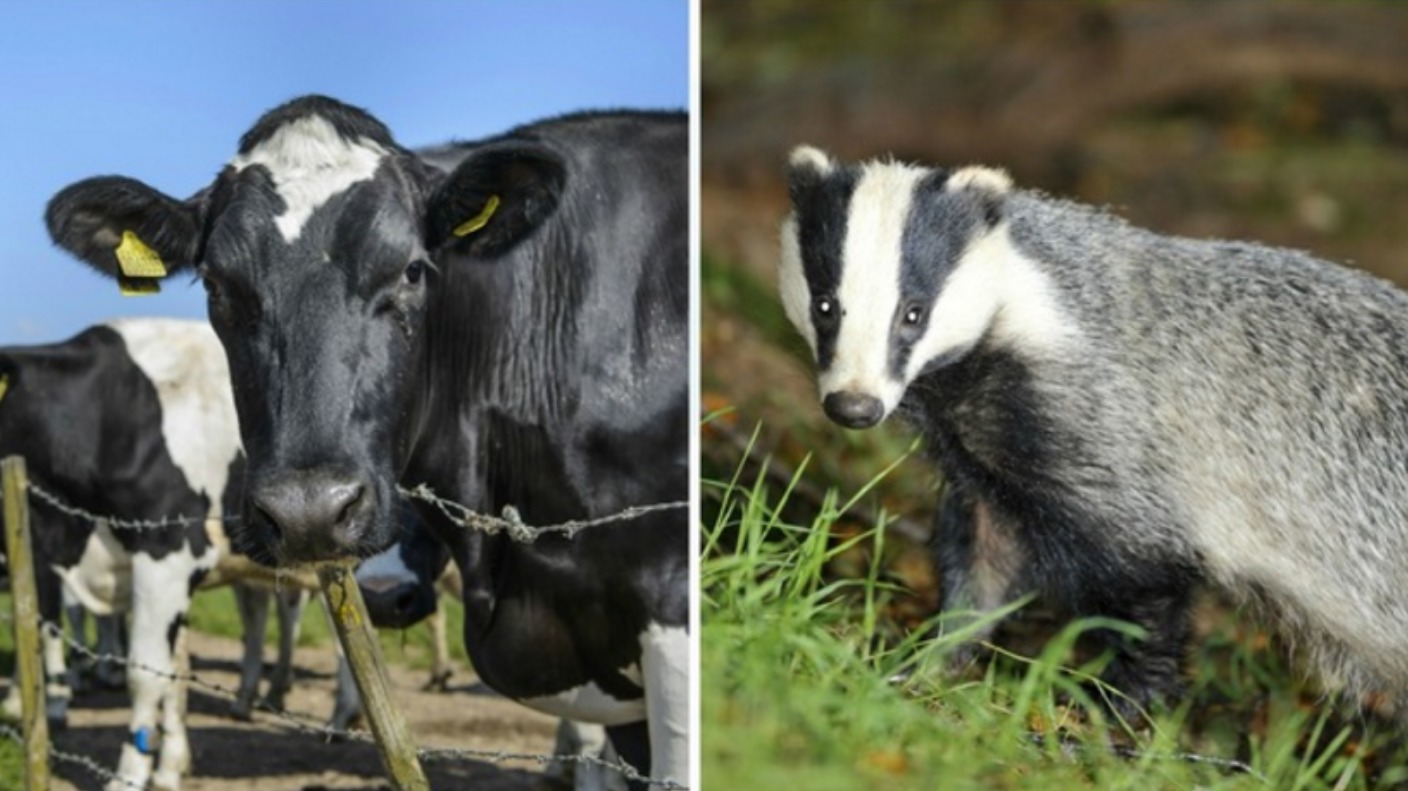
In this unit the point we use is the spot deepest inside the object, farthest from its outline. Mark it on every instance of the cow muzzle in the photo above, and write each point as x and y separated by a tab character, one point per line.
315	515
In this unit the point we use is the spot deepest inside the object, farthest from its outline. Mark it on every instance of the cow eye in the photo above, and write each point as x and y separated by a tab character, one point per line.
414	270
212	287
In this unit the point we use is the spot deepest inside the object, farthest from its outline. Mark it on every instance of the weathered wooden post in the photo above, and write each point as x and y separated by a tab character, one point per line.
354	629
25	597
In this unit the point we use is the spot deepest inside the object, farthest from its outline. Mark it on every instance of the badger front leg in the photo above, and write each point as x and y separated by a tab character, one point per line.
664	662
980	562
1146	670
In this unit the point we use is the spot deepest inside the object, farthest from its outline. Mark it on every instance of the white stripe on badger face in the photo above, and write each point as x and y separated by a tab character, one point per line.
993	287
869	293
792	284
310	163
186	364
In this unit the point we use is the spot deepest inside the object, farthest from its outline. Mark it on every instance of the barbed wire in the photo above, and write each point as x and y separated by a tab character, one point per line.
310	725
512	524
96	769
114	522
509	523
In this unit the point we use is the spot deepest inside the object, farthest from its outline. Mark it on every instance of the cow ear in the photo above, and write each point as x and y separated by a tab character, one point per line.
125	229
493	200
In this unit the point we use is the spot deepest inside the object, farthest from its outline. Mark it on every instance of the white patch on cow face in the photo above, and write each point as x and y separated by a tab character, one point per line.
589	703
186	364
792	284
869	293
310	162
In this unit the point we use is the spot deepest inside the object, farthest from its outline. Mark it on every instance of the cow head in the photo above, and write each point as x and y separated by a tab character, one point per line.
317	244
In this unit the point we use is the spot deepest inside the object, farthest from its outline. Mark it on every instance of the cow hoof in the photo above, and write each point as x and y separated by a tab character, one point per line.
274	701
110	680
241	709
344	721
439	682
166	781
56	712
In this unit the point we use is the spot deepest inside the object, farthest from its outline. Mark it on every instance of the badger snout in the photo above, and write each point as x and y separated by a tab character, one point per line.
853	410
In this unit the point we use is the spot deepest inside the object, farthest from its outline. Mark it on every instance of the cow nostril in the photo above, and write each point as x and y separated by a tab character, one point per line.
268	518
406	601
353	499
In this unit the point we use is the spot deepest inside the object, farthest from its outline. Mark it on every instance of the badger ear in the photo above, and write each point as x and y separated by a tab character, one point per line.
125	229
806	167
494	199
990	186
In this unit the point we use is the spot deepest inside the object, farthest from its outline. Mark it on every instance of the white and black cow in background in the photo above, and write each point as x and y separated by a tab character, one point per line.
505	320
135	420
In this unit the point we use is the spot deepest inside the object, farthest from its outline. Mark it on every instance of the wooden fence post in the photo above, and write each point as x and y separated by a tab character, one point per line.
359	642
25	597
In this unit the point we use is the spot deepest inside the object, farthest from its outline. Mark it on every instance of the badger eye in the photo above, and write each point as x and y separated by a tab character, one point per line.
912	316
825	307
414	270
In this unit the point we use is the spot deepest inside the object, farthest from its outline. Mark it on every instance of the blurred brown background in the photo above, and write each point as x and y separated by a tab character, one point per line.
1284	123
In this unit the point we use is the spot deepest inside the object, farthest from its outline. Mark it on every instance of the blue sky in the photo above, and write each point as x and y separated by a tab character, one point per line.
161	91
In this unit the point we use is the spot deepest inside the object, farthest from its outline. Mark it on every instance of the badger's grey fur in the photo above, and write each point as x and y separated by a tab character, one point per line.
1140	413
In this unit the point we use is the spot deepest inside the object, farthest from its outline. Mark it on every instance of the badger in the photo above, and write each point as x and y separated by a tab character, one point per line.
1125	416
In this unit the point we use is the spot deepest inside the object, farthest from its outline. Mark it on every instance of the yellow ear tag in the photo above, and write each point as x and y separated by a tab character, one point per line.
4	385
138	260
138	286
479	220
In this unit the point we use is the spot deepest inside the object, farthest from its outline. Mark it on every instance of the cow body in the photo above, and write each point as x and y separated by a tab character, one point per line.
134	420
505	321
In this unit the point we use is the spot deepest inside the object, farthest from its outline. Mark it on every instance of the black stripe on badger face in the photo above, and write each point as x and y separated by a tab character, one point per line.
940	225
820	202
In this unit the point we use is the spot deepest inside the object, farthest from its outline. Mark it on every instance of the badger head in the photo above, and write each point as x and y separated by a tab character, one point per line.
889	270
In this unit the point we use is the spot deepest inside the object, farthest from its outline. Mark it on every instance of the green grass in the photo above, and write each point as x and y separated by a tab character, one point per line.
796	690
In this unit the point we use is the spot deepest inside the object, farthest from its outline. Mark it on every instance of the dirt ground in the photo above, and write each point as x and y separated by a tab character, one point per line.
270	755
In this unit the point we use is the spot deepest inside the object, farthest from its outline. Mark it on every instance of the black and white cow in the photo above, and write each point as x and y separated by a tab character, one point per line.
135	419
505	320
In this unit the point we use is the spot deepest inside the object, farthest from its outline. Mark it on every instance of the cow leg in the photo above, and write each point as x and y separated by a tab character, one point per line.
253	604
57	691
348	702
664	664
109	673
290	603
347	705
175	758
440	668
160	598
585	739
79	667
632	743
